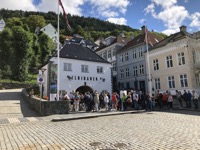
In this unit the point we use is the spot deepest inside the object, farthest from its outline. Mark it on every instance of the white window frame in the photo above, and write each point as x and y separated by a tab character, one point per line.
135	71
169	61
109	54
141	69
140	52
134	54
183	80
122	73
99	69
114	67
104	54
181	58
155	65
122	58
127	72
171	82
157	83
126	56
84	68
67	67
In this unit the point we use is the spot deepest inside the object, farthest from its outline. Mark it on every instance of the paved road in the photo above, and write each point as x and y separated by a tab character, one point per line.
174	130
12	105
22	129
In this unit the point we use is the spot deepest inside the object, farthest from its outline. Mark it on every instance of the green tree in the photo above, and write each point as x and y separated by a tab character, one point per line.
22	45
46	47
6	52
34	21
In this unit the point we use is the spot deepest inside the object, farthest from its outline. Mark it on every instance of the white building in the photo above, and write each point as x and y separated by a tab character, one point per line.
50	31
2	24
81	70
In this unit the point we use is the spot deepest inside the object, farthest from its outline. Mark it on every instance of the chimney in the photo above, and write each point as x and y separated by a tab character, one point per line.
183	28
143	29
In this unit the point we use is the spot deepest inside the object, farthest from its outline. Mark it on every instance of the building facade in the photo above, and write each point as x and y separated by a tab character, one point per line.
81	70
131	63
175	62
107	49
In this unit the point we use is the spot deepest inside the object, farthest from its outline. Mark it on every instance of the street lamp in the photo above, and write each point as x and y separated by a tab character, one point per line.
43	70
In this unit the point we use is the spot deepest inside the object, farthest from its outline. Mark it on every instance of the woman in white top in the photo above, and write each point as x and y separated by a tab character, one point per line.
106	101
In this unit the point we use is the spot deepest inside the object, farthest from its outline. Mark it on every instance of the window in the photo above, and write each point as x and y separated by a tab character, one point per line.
171	82
134	54
140	52
84	68
183	80
141	69
109	53
122	73
99	69
169	61
114	52
135	72
127	72
126	56
155	65
181	59
122	58
157	83
67	67
104	55
114	66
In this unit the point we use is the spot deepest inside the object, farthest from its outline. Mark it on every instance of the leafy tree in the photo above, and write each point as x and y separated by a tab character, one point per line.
34	21
46	47
22	50
14	22
6	52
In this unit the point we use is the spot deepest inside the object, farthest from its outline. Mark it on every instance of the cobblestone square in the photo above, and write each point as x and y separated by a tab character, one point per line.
178	130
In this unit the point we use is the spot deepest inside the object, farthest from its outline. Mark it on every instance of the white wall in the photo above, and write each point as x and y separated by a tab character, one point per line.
69	85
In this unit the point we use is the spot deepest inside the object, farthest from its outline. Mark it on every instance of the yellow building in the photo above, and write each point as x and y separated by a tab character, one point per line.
175	62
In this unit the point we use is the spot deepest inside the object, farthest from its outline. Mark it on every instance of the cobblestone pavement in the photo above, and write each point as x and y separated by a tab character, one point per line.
12	105
173	130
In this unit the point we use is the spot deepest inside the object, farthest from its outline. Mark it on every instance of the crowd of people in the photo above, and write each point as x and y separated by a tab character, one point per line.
94	101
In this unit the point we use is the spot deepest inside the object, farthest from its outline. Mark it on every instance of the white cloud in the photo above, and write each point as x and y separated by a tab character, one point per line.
18	5
72	7
104	7
170	31
170	13
120	21
142	21
195	20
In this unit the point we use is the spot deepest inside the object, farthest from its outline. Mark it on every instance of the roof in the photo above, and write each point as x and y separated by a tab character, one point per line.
140	39
171	38
118	39
74	51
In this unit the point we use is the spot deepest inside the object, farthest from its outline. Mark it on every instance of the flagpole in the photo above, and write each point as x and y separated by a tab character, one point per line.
58	55
148	64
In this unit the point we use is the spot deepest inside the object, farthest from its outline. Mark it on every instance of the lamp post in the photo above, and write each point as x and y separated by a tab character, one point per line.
43	70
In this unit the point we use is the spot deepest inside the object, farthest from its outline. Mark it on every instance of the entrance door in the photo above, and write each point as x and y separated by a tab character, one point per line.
84	88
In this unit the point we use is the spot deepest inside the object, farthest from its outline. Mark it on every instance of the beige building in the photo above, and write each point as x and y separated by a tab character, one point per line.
175	63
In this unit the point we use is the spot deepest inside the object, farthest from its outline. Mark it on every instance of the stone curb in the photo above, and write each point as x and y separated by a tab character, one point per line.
96	115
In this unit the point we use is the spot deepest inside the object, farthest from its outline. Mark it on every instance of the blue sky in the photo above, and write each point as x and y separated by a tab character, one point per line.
160	15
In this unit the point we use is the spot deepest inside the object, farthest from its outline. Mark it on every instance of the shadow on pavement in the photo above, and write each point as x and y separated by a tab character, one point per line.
182	111
12	99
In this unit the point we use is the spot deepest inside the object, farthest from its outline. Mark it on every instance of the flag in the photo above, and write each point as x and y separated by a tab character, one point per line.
147	37
65	16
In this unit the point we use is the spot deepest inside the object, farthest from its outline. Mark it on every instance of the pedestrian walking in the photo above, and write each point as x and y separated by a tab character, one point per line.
195	98
170	101
106	102
96	101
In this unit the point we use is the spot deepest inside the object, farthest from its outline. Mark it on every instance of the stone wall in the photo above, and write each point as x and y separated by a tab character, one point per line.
45	107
